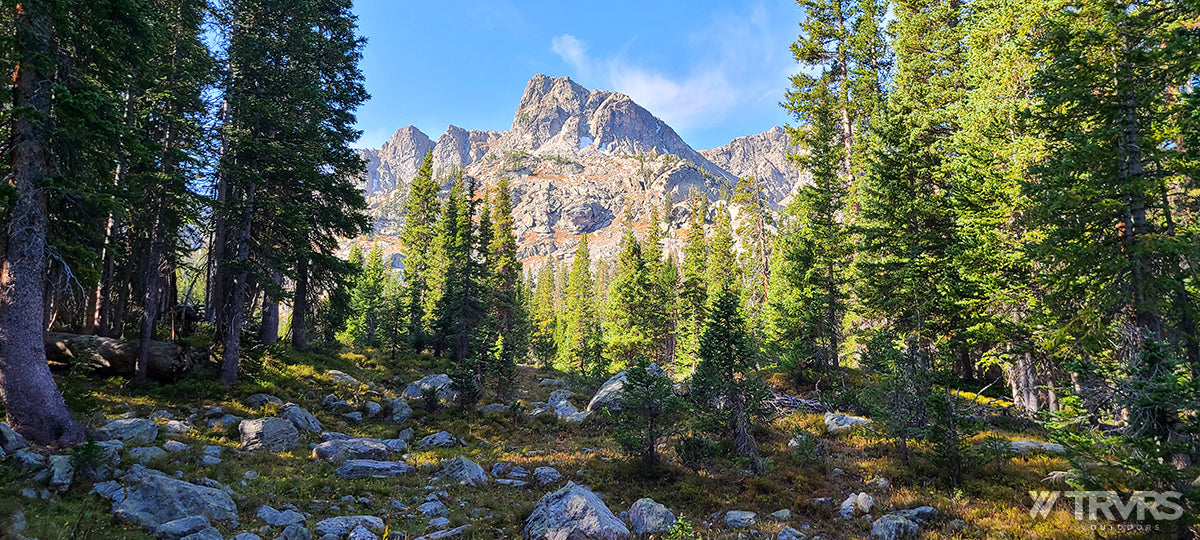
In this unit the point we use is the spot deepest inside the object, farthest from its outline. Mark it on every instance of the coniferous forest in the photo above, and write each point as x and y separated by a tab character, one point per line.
985	286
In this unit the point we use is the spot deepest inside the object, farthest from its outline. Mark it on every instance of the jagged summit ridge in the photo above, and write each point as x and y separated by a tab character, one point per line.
578	161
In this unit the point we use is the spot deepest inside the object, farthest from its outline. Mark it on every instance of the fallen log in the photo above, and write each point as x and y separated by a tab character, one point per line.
167	361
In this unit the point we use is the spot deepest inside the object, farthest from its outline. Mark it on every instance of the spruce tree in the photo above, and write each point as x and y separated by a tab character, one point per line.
505	290
693	289
722	268
544	316
367	301
725	387
814	252
417	237
579	343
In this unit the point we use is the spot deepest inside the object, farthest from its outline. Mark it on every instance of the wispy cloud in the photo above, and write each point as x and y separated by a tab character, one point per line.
739	65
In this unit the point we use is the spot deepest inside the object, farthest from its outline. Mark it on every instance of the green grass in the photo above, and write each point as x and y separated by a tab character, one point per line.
992	499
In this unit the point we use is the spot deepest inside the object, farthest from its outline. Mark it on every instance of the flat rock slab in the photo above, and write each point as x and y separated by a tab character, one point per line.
140	431
836	423
441	439
342	525
354	469
339	450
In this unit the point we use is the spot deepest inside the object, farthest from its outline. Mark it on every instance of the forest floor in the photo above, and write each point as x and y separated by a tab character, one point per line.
992	501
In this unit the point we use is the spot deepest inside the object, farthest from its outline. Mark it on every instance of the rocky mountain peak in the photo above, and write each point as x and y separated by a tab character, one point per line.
765	156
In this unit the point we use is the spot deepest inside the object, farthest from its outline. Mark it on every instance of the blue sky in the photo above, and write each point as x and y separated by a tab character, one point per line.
712	69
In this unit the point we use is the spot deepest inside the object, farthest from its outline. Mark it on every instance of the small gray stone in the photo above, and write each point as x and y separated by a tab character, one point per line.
788	533
894	527
400	411
441	439
440	382
501	468
301	418
372	409
11	441
836	423
270	434
133	430
649	517
209	461
354	417
511	483
493	408
433	509
174	446
573	511
210	533
61	473
343	525
462	471
341	378
179	528
145	454
547	475
279	518
740	519
176	426
29	460
338	451
437	523
256	401
781	515
362	533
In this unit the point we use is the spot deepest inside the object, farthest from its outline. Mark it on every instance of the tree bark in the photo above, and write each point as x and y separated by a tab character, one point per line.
32	402
269	333
300	307
236	303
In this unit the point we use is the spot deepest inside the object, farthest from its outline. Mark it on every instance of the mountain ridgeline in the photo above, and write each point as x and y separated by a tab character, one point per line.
579	161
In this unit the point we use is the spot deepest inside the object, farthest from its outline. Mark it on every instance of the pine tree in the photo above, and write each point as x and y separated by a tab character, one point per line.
723	270
1116	271
579	342
417	236
814	252
693	291
636	312
506	304
367	301
544	316
650	413
725	387
754	230
33	404
905	271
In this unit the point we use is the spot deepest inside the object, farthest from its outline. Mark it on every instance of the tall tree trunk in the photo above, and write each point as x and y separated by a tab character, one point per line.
152	283
32	402
236	303
300	307
269	333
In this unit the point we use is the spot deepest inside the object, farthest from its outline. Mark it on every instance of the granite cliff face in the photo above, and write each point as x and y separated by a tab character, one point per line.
578	161
765	156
